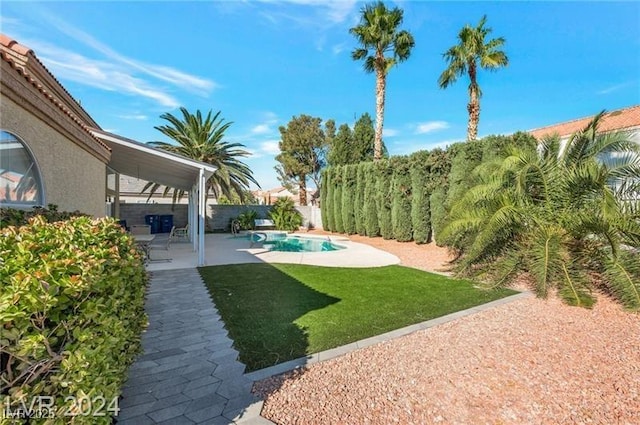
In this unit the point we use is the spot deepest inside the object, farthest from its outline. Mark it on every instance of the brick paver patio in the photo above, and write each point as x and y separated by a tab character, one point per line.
188	372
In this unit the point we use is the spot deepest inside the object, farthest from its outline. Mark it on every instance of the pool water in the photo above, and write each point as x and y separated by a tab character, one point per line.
301	244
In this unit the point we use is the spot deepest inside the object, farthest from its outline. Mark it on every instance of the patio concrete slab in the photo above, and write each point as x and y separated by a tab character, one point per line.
223	248
188	372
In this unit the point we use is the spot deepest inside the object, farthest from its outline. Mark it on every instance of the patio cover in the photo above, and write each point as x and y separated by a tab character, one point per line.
136	159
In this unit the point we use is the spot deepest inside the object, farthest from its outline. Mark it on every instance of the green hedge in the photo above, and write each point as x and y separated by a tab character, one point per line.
384	180
348	199
323	199
71	313
361	178
401	193
370	212
338	225
421	189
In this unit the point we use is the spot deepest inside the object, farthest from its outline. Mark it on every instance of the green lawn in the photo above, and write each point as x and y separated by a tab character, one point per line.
279	312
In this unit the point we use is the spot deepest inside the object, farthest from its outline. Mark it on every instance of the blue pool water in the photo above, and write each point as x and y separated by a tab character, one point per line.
301	244
281	241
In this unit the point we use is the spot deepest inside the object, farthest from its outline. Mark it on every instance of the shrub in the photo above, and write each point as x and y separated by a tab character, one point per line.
14	217
370	214
358	205
401	199
337	200
420	188
438	213
324	187
327	204
71	313
383	197
247	219
348	199
285	216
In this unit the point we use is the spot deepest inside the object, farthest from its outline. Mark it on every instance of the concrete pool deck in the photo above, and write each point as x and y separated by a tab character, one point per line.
223	248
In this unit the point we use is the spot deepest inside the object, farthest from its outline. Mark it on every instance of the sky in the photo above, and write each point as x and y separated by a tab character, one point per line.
263	62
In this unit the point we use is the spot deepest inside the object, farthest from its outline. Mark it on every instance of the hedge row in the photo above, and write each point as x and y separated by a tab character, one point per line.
407	197
389	198
71	315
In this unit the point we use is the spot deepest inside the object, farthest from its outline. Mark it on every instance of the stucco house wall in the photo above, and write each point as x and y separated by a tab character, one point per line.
72	178
36	109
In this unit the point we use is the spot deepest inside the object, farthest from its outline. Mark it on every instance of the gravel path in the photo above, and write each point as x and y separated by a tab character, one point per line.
528	362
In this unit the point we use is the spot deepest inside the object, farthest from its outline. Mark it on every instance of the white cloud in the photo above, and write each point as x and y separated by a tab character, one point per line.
332	11
613	88
431	126
339	48
138	117
389	132
270	147
261	129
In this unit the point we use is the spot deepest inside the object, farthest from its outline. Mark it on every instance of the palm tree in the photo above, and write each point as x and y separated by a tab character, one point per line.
466	57
378	32
562	215
202	140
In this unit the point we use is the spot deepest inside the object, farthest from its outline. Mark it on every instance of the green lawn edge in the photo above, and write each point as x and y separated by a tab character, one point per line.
279	312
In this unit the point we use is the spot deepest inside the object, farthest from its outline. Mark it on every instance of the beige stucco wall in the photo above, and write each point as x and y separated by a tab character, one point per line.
73	178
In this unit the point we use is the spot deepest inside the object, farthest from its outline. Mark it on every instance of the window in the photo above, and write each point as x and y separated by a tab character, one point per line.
20	183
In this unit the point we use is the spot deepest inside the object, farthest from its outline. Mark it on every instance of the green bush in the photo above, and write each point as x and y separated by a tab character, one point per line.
438	213
337	200
14	217
247	219
71	313
348	198
370	213
401	199
327	204
383	197
358	205
285	216
323	199
421	188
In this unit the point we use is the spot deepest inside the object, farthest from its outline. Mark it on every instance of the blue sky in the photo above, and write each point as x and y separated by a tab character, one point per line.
263	62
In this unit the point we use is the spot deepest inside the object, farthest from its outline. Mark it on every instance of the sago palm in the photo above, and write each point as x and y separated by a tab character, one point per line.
201	138
471	53
562	215
378	33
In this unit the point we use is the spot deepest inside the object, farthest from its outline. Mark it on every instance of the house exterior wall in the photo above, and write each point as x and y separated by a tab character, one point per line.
72	178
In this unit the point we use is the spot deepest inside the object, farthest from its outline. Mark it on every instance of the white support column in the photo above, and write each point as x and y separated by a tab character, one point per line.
202	198
193	216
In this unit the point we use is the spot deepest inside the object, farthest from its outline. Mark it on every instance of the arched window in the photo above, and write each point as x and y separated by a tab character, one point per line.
20	183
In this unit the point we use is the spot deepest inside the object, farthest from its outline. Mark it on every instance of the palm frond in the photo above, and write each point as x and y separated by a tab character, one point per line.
622	274
573	287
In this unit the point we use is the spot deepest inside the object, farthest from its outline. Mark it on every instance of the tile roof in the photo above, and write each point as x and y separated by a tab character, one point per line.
19	56
621	119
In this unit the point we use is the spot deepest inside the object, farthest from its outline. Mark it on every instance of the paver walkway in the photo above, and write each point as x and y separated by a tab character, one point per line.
188	372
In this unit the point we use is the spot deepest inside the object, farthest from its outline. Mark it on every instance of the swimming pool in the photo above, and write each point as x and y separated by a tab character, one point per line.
300	244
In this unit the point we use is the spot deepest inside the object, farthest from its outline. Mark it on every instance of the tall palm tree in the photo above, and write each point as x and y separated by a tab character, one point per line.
561	215
202	139
473	52
378	32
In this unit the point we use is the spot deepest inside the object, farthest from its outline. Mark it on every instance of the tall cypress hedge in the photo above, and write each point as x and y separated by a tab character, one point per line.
370	211
401	199
323	199
328	203
383	197
438	213
337	199
348	198
359	199
421	188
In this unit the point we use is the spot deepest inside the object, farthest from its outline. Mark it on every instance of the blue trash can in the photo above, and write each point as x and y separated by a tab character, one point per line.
153	221
166	223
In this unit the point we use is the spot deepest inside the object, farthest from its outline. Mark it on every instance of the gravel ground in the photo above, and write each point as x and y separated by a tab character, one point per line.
527	362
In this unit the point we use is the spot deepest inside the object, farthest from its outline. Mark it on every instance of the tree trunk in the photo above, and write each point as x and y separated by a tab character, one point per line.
303	190
380	92
474	106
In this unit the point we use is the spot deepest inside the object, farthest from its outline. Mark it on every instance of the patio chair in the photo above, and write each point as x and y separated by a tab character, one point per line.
181	233
162	245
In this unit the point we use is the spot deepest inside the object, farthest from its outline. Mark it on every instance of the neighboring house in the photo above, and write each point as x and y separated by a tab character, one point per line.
269	197
627	119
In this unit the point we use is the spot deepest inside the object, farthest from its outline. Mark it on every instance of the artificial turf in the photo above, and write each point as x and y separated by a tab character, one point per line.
279	312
